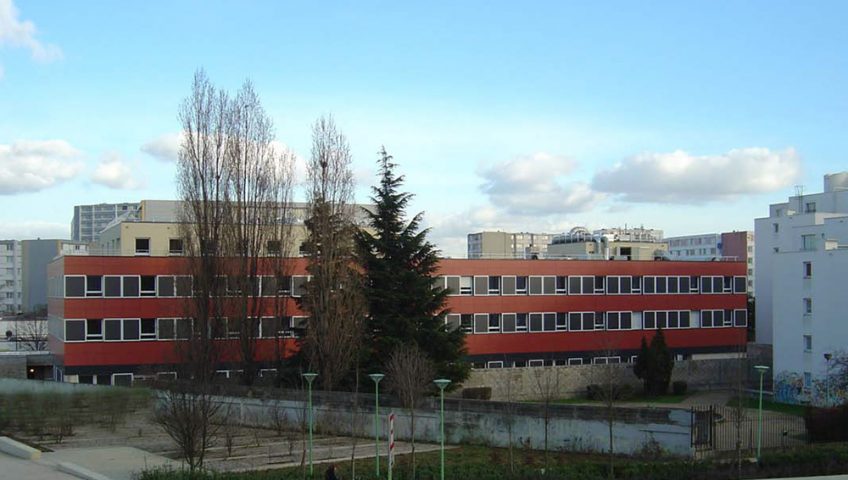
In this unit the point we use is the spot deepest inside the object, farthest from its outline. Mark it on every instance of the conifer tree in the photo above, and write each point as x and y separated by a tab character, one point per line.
399	264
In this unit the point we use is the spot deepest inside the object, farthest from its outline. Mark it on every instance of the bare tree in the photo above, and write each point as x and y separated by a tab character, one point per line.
609	378
333	297
547	385
510	408
410	375
31	334
190	418
202	181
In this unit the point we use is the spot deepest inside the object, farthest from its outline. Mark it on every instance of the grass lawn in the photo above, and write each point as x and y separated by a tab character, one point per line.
751	402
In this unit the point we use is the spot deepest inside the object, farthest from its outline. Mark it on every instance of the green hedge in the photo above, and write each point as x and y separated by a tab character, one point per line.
819	460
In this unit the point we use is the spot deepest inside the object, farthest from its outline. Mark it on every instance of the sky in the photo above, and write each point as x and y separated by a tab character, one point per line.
690	117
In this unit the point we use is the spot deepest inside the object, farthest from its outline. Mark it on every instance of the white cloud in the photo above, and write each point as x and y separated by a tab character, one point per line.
534	184
33	165
114	172
33	229
679	177
22	34
164	147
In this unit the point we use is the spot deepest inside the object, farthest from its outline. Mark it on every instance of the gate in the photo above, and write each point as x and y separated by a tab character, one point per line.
718	430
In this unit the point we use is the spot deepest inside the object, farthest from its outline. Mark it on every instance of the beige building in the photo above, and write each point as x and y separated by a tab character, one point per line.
609	243
507	245
154	230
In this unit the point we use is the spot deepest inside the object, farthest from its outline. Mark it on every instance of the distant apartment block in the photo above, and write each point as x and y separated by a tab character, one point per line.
11	286
708	246
36	254
801	258
89	220
609	244
508	245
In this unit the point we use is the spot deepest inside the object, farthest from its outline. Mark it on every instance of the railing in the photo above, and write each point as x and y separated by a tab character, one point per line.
718	430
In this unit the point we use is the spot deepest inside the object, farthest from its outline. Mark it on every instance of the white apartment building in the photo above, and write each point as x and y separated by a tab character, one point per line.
11	285
708	246
802	258
90	220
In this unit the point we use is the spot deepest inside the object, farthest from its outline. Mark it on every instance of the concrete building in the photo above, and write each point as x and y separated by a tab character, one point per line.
36	254
89	220
609	244
115	318
708	246
802	258
508	245
11	271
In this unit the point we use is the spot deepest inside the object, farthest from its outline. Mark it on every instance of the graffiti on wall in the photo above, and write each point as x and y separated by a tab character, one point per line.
821	392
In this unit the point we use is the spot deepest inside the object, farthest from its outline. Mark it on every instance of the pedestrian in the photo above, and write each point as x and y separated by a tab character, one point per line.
331	473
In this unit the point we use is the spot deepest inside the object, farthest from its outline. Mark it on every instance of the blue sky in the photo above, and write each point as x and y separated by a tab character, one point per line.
686	116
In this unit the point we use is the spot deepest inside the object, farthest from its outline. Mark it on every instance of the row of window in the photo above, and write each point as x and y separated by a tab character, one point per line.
133	329
116	286
482	323
539	362
483	285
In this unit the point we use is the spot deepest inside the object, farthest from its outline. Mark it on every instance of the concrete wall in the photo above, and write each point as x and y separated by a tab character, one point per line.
571	427
12	367
520	384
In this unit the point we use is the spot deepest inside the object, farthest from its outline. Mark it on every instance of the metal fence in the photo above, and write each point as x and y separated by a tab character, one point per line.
717	430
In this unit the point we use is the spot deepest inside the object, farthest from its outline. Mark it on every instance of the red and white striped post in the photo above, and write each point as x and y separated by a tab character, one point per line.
391	443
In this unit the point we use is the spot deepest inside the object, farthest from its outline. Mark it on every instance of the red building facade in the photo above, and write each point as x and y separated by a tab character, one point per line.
116	318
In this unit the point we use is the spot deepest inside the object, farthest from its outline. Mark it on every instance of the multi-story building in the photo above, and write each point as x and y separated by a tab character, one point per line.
116	317
508	245
708	246
608	244
801	258
89	220
11	285
36	254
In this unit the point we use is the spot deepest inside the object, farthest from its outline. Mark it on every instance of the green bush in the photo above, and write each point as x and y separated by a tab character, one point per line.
827	424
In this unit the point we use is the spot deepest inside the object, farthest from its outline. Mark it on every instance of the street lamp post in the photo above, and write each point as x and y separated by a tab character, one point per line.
310	377
762	369
442	383
827	357
377	377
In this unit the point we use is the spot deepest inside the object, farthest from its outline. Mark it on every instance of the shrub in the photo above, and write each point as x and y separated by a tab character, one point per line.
477	393
679	387
827	424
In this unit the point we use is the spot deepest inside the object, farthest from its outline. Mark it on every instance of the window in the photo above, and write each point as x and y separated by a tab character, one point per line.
273	247
75	286
112	329
712	318
508	285
549	322
165	286
496	364
130	328
581	321
148	329
94	286
808	381
740	284
451	322
561	322
112	286
465	285
619	285
494	323
740	318
520	322
808	269
575	361
521	285
466	323
808	343
94	329
148	286
619	321
481	323
131	286
494	285
122	379
299	285
508	322
808	306
536	322
536	363
535	287
650	285
74	330
582	285
142	246
175	246
481	285
810	207
808	242
561	285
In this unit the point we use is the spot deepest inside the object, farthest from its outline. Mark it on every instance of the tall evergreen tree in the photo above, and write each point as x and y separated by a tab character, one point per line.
399	265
